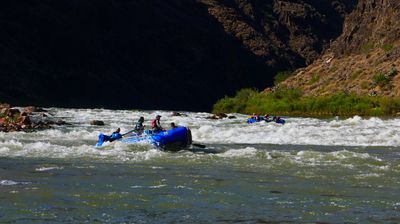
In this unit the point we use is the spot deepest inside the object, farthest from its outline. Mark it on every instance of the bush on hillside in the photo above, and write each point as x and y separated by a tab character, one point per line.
290	102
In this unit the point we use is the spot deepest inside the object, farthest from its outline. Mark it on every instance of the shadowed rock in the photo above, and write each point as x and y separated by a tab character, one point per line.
97	123
178	54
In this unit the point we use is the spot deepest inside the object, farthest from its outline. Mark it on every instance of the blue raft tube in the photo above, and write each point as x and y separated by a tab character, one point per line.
179	138
253	120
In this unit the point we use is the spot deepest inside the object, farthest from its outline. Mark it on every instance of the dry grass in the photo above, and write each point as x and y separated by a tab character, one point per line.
354	73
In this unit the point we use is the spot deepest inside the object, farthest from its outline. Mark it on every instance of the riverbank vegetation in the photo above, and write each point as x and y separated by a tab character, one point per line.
284	101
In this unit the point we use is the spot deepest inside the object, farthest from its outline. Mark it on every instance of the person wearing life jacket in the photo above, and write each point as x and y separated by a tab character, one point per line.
279	120
139	127
253	118
104	138
267	118
173	125
155	124
114	136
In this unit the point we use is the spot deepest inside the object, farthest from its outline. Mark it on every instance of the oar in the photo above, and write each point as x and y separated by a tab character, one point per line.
133	131
127	133
199	145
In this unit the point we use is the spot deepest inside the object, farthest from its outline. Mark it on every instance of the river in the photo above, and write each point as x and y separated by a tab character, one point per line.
306	171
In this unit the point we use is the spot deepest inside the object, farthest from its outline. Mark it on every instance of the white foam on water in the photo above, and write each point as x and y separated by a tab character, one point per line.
183	187
7	183
11	183
368	175
305	131
354	131
244	152
115	152
77	140
156	167
43	169
343	157
158	186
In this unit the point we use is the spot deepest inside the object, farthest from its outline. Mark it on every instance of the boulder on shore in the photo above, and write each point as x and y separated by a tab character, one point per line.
5	105
221	115
177	114
11	112
217	116
33	109
12	119
213	117
24	120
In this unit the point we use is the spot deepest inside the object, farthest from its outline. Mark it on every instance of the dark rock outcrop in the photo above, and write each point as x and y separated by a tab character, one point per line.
288	33
32	109
217	116
373	23
97	123
12	119
177	114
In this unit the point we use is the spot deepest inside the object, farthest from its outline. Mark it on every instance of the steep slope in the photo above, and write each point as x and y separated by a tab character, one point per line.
282	32
364	60
181	54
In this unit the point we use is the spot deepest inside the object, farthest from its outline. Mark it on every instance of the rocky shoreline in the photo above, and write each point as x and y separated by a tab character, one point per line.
26	119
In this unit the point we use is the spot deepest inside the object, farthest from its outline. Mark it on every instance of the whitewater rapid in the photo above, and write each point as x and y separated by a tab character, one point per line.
306	171
77	140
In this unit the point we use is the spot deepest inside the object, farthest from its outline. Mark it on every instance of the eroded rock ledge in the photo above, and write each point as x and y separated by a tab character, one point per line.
28	118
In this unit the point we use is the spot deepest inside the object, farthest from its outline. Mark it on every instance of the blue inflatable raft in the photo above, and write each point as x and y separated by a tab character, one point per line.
253	120
176	139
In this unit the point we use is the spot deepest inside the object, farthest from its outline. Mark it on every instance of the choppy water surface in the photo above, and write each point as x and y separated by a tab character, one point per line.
307	171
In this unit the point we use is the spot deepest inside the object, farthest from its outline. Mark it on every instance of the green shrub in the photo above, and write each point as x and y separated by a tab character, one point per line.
383	79
314	79
333	69
355	74
225	105
387	47
245	94
367	47
389	106
380	79
393	72
282	76
290	102
288	94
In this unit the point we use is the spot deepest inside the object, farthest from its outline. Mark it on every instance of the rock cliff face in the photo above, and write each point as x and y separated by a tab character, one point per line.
364	60
281	32
180	54
373	22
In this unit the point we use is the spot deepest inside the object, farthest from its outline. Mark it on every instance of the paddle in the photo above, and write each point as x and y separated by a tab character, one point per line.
199	145
127	133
